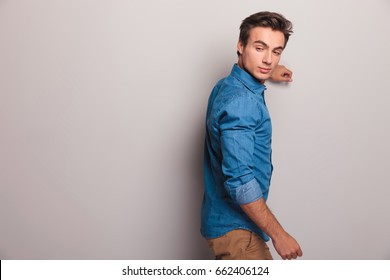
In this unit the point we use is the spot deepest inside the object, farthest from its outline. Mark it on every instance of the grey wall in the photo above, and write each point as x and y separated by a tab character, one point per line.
102	107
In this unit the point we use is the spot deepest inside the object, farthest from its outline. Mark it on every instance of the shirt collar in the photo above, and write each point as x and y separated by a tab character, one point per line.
248	80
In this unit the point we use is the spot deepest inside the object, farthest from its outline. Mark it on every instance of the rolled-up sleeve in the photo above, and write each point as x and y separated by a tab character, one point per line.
238	123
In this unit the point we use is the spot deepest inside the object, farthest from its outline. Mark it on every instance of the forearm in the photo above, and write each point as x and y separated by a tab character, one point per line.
286	246
262	216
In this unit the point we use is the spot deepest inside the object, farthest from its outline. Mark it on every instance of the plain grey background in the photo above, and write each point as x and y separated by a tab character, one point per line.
102	108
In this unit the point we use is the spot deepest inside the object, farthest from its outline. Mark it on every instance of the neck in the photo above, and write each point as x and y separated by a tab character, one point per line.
242	66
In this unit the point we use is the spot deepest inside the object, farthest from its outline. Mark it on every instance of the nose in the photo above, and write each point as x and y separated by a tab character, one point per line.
267	58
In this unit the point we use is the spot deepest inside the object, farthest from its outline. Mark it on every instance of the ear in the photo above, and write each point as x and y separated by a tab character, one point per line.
240	47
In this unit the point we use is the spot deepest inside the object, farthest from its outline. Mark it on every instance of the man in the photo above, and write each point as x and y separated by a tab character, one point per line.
237	166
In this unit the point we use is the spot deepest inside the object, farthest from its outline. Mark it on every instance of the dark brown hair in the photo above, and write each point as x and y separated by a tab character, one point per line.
265	19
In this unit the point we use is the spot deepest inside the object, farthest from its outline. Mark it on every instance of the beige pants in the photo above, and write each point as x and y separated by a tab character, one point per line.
239	244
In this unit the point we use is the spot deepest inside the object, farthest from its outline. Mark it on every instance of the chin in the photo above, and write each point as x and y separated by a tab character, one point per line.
259	76
263	77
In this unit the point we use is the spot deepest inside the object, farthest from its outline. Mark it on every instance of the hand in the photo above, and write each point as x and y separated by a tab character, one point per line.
281	74
287	247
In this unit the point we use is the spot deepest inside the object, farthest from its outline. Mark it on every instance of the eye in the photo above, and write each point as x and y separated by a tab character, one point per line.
259	49
277	53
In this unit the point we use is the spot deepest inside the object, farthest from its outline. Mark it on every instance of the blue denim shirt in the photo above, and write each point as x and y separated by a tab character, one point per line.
237	159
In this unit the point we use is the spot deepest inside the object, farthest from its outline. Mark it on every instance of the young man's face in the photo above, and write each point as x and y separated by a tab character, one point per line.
262	53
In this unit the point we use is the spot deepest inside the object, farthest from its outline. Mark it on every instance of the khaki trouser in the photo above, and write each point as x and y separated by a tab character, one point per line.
239	244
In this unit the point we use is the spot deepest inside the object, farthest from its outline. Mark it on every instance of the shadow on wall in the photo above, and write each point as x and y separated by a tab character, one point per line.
200	248
207	79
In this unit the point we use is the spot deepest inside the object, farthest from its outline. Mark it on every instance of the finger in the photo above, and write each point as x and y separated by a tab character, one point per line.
294	256
285	79
287	75
299	252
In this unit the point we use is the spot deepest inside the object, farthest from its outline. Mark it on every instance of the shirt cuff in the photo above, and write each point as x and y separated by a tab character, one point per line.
248	192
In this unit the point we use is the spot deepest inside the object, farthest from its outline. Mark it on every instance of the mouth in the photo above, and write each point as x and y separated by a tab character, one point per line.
264	70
